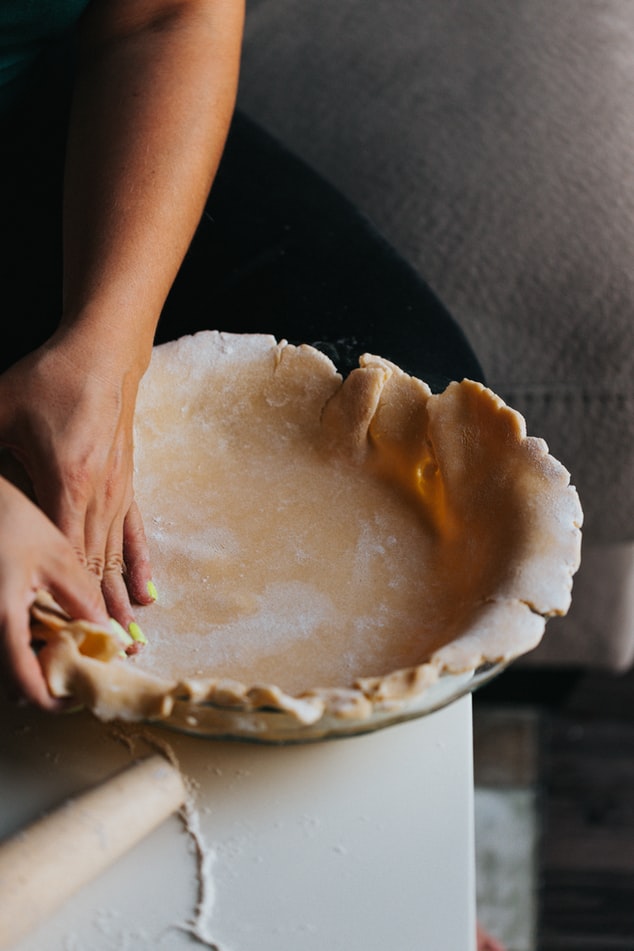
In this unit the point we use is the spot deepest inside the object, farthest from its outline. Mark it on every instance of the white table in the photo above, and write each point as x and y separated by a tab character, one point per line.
362	844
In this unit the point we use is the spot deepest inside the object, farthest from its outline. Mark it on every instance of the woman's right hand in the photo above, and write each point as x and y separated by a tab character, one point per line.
34	554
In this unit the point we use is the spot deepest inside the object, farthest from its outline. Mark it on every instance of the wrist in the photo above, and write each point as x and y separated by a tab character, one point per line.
98	339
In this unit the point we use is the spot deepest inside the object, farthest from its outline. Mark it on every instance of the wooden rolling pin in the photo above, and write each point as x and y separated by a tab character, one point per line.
47	862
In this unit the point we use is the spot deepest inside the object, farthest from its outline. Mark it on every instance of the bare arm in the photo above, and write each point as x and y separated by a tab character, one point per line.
155	91
154	98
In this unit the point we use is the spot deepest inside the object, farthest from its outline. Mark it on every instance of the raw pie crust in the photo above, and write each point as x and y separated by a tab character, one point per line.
323	550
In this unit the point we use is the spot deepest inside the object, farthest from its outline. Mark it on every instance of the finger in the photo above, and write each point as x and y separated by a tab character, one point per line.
138	569
104	555
113	584
20	668
116	593
77	590
104	529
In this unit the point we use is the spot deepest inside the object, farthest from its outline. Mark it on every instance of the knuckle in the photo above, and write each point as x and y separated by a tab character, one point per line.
114	565
80	554
95	565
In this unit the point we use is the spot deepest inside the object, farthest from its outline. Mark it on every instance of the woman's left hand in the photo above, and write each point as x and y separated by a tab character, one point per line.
67	415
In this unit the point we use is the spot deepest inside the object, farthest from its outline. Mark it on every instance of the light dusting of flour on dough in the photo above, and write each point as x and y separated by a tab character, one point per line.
199	926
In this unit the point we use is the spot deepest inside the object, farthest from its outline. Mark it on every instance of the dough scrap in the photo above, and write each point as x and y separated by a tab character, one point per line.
323	549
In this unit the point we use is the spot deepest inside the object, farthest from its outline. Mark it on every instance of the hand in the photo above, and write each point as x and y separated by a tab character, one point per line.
67	415
34	554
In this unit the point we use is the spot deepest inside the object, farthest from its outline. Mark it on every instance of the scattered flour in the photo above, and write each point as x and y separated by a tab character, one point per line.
200	925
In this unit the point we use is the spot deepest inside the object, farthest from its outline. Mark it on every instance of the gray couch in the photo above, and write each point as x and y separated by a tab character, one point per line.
493	144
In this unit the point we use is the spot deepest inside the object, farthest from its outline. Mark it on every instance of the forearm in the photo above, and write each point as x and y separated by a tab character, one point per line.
155	94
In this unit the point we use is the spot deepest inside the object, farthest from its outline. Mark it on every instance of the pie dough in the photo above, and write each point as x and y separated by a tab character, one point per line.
325	551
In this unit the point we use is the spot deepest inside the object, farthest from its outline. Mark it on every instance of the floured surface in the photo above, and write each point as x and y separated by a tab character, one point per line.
296	832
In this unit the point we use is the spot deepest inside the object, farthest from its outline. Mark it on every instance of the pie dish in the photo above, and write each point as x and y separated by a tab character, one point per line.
330	555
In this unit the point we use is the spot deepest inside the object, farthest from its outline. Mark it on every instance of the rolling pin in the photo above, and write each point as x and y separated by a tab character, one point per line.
44	864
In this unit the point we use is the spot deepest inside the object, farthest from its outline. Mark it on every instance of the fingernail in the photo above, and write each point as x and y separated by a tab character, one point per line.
136	633
121	633
151	590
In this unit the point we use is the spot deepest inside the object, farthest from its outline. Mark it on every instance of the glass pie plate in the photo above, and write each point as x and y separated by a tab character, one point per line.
332	556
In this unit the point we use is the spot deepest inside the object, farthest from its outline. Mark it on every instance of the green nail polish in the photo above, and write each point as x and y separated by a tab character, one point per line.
151	590
136	633
121	633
